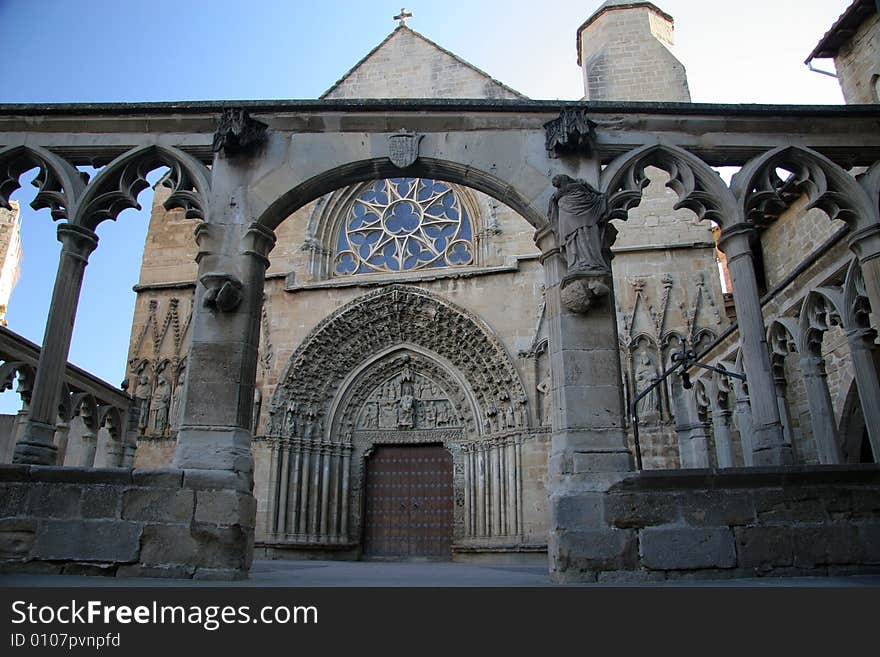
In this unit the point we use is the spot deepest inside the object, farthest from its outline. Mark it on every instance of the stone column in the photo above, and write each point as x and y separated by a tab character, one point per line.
821	410
784	412
769	446
743	417
861	346
215	429
693	434
719	404
37	444
588	450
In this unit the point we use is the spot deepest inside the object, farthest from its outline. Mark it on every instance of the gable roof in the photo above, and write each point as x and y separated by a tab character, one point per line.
404	29
843	29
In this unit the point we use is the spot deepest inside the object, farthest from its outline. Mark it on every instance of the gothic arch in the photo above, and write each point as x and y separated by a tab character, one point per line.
60	185
354	172
396	315
698	186
761	194
116	186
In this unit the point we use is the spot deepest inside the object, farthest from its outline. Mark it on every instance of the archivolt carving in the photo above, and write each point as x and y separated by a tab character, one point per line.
396	315
59	184
698	186
762	195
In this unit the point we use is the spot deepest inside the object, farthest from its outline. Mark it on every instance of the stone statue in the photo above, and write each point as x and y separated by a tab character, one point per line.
142	395
290	418
579	216
645	374
509	418
176	397
430	414
370	416
546	398
159	405
405	411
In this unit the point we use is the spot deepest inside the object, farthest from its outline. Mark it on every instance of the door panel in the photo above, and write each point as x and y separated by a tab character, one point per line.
409	502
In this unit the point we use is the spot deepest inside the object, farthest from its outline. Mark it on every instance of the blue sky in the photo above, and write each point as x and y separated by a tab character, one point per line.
136	50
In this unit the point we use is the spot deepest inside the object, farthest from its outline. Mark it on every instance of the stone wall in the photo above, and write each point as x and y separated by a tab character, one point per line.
733	523
123	522
858	63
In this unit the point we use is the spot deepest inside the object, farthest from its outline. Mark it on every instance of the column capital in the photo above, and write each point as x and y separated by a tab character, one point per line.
77	241
258	241
865	243
735	240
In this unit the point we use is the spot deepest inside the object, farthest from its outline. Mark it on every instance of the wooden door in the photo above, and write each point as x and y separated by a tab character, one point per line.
409	501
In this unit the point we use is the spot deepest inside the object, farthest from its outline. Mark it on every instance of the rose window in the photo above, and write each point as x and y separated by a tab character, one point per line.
403	224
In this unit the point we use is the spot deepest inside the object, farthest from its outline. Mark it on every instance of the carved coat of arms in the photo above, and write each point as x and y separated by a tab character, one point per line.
403	148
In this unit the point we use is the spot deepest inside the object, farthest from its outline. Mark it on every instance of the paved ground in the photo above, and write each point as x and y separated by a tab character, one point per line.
374	574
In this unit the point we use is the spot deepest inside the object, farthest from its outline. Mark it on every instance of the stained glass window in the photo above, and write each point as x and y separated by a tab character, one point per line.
402	224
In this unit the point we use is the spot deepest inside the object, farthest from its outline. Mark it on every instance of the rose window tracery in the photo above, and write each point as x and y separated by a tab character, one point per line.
403	224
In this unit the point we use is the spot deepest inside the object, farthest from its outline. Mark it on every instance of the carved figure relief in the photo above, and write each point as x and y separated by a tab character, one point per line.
579	216
645	373
392	405
176	397
142	395
159	406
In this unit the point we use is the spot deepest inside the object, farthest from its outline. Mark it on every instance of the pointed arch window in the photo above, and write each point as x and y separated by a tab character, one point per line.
404	224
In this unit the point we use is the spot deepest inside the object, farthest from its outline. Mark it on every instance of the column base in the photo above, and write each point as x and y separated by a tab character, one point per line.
37	445
209	448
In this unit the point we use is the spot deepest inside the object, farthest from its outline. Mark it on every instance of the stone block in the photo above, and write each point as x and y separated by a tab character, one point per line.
225	507
16	538
54	500
577	511
869	539
14	472
687	548
158	478
780	505
163	504
199	479
13	500
200	545
764	547
826	544
88	540
102	501
637	510
717	508
168	544
15	566
575	553
58	474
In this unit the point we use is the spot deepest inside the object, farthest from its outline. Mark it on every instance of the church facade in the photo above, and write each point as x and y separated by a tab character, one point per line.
429	318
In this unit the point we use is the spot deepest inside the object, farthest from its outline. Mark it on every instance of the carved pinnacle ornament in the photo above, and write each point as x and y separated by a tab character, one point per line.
571	132
238	134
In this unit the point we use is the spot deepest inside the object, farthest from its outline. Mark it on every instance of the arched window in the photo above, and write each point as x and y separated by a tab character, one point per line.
403	224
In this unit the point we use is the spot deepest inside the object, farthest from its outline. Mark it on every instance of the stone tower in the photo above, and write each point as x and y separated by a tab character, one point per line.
624	51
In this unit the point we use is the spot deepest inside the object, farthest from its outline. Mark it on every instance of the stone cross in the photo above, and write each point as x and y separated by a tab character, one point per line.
403	15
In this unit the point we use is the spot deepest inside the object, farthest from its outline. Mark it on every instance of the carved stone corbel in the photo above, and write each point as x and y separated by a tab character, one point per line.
571	132
224	291
580	292
238	134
